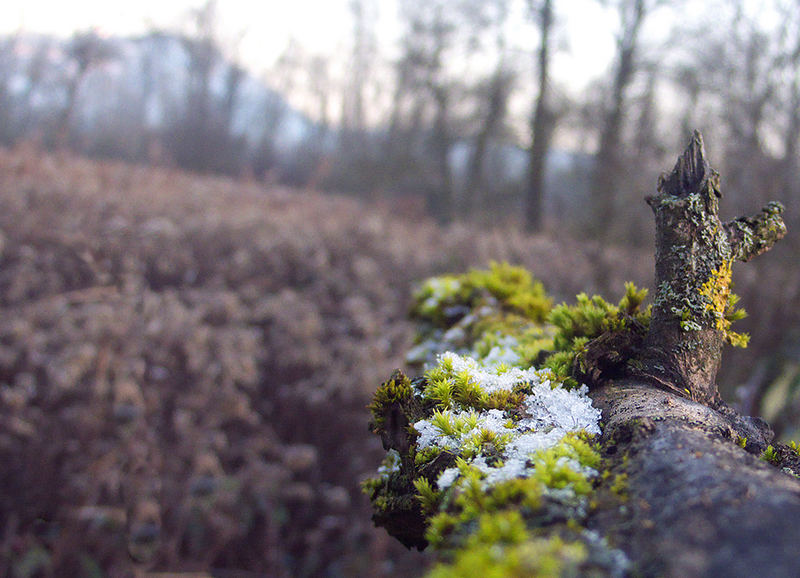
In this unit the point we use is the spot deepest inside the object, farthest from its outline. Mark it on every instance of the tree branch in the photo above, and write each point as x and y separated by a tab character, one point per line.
694	255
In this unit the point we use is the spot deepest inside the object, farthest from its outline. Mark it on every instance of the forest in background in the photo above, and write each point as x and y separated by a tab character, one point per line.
477	110
186	364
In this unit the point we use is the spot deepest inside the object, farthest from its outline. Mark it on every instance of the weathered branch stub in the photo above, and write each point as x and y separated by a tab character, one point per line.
694	255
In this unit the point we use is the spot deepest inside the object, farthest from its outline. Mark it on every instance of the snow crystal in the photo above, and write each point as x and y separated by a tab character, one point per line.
391	463
487	375
429	435
441	288
549	414
455	334
446	478
568	410
513	467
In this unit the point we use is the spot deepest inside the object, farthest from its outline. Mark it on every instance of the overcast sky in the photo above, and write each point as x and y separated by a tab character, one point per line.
264	26
262	29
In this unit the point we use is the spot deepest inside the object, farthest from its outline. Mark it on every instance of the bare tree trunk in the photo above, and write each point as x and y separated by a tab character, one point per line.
441	201
541	128
609	161
496	102
790	146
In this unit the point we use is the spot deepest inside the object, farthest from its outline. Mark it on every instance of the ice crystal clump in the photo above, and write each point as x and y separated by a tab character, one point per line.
440	288
550	412
491	377
391	463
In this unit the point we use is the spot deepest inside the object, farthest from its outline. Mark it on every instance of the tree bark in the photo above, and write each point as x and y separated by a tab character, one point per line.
697	504
694	255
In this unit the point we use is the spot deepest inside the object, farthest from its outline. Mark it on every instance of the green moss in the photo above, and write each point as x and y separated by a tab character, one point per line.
504	313
771	456
497	315
447	389
441	299
504	400
523	495
620	485
452	425
485	443
396	389
502	547
591	318
555	473
428	497
426	455
470	498
514	287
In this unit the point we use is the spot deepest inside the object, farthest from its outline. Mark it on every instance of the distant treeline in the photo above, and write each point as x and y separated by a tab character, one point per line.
440	123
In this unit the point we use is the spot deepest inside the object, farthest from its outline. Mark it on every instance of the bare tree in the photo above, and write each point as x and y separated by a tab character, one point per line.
493	95
363	52
494	101
203	138
748	91
609	160
7	65
543	120
429	90
789	60
734	65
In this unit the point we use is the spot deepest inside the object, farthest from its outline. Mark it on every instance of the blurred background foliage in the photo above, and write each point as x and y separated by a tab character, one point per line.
205	269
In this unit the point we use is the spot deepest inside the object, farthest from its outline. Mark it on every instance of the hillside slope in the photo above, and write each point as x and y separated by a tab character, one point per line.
185	363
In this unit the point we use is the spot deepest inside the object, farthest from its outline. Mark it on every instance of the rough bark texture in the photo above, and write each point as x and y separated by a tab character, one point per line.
696	503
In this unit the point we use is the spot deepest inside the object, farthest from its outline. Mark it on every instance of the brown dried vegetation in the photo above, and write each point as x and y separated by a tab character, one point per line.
185	364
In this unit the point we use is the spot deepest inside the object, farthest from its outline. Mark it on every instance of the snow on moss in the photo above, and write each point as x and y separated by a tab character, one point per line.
548	414
490	376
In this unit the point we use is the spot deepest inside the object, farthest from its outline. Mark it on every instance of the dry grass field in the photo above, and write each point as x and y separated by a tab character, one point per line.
185	363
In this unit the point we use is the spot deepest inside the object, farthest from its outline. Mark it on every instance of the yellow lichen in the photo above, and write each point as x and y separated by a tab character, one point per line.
721	303
717	292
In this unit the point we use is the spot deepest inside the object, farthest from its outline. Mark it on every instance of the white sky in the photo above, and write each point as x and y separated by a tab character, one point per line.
265	26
